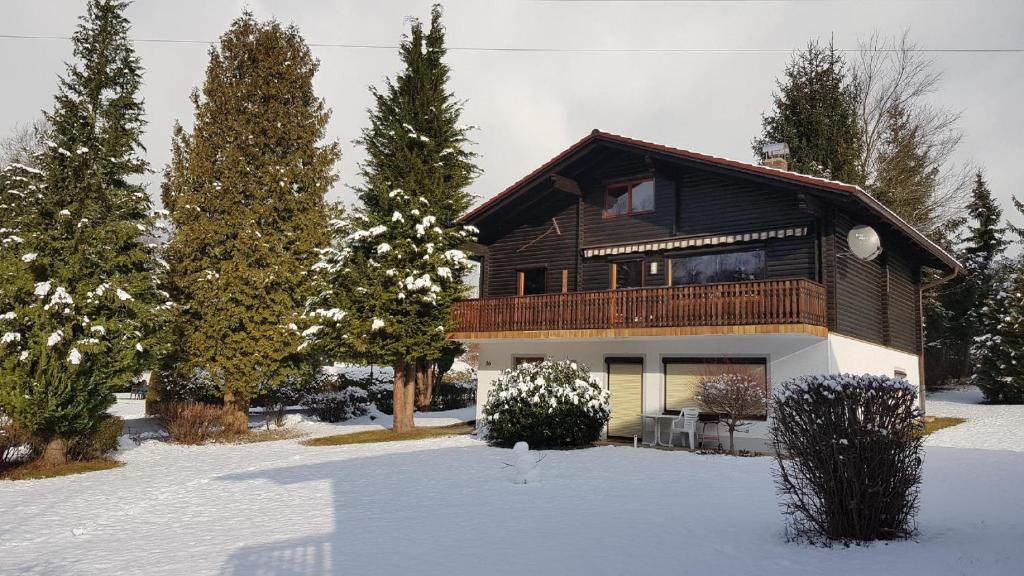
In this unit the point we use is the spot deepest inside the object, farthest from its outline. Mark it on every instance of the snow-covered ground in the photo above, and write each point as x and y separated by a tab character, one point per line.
127	407
449	506
989	427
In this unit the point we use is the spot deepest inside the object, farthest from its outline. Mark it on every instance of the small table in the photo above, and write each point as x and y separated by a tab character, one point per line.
656	418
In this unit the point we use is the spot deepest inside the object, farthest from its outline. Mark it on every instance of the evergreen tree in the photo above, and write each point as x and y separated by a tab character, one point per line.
956	319
396	267
905	177
79	300
814	113
1017	231
998	353
245	191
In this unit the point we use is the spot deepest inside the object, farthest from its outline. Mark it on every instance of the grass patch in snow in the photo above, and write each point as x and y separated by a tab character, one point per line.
37	470
939	422
388	435
267	435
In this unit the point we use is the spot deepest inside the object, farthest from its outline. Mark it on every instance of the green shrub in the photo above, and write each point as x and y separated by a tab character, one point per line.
450	395
100	441
548	404
337	405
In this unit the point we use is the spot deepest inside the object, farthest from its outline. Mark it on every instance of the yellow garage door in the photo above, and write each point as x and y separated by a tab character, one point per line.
625	389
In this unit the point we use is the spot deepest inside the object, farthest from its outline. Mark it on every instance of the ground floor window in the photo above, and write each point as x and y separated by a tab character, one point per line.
682	375
520	360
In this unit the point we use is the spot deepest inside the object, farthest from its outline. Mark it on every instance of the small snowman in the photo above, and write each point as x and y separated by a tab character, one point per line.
526	464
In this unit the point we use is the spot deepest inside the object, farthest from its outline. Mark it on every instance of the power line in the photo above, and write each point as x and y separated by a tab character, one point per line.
567	50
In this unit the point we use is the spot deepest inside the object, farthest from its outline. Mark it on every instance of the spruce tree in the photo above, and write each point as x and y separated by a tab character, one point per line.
998	353
79	302
956	317
245	191
814	112
1018	231
396	266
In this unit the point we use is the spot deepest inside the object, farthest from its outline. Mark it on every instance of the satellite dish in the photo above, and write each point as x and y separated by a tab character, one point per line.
864	242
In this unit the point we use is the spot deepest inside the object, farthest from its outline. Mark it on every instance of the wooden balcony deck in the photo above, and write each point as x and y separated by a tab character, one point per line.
768	306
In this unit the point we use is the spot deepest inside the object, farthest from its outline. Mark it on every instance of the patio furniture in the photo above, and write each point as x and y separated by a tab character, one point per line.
656	418
716	437
686	423
138	391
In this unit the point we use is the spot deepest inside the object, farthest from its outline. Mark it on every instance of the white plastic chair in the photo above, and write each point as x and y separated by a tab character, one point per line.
686	423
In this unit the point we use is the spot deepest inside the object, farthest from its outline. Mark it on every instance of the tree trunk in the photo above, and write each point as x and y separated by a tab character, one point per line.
732	441
153	393
55	453
404	396
235	418
424	385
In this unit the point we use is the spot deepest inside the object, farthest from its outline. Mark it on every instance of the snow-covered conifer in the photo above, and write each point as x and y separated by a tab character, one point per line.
76	232
396	266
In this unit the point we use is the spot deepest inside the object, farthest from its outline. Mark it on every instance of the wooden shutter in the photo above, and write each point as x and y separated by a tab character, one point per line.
681	384
625	389
681	379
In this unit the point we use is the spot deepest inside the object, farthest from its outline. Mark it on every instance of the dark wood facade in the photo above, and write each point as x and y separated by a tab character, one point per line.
553	225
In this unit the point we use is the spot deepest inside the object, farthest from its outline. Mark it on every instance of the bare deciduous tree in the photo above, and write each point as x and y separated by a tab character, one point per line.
23	143
736	398
895	81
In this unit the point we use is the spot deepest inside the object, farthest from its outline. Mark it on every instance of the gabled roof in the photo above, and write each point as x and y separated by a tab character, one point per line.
597	136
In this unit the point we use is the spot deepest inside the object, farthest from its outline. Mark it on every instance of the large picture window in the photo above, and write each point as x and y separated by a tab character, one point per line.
720	267
628	274
682	376
629	198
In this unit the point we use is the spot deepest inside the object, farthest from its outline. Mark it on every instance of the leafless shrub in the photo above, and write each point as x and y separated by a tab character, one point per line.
848	456
191	422
736	398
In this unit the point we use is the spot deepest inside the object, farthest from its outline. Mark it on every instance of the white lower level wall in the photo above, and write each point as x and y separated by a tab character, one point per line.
852	356
788	356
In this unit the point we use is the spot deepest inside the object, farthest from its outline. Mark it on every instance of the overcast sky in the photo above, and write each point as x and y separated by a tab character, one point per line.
530	106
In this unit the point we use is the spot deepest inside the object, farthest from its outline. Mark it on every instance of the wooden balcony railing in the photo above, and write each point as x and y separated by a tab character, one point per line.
734	304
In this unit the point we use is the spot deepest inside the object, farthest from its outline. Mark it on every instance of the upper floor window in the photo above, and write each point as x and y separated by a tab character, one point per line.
720	267
629	198
532	281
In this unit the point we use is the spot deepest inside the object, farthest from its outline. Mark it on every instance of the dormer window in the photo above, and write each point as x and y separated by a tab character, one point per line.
636	197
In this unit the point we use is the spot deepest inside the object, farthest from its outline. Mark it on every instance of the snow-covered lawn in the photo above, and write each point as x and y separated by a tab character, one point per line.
448	506
989	427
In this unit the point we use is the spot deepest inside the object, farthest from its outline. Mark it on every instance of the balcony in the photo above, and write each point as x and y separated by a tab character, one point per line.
769	306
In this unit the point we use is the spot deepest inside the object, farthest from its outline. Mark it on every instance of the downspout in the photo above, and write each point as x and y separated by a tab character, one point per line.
921	337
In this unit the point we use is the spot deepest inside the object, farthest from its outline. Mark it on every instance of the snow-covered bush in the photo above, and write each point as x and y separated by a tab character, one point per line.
338	405
547	404
192	386
848	454
450	394
998	356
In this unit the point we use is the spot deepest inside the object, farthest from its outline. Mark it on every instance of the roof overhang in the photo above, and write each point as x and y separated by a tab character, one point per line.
547	173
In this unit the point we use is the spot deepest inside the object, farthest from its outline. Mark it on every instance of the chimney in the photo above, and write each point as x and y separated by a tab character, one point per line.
775	155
